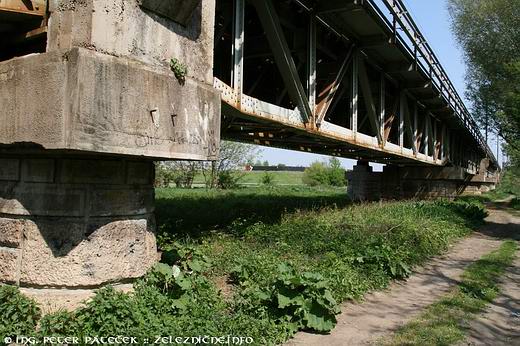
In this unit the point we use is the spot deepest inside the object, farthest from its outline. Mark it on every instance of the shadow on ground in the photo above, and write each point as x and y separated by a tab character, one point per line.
195	215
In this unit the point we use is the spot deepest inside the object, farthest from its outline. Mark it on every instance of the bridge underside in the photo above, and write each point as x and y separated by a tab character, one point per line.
341	78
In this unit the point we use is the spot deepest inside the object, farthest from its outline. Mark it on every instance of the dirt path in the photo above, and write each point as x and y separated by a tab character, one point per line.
383	312
500	324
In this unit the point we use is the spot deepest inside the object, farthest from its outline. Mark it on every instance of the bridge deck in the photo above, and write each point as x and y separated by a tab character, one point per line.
349	78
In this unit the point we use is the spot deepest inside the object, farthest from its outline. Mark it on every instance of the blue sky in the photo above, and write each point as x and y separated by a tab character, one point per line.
433	19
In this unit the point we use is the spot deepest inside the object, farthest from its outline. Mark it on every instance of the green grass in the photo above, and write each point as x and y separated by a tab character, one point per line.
197	212
255	178
445	322
233	245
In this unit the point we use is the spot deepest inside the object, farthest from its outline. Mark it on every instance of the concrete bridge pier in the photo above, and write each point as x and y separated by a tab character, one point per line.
118	85
405	182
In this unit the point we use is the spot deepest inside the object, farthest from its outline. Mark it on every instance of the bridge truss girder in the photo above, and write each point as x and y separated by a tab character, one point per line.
311	84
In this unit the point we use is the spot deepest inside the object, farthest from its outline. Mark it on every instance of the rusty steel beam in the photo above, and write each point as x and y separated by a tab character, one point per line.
354	103
282	54
27	7
369	100
390	121
408	123
312	61
327	95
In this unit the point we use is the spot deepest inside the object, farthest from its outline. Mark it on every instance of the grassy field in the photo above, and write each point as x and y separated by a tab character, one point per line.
260	263
255	178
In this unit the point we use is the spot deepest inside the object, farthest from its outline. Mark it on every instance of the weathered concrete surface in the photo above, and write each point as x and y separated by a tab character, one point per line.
105	104
70	222
122	28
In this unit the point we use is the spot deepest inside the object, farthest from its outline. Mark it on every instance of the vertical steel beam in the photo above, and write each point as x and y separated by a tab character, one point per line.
448	144
282	55
427	134
435	141
355	93
408	123
238	48
402	101
431	148
311	81
382	109
415	128
443	142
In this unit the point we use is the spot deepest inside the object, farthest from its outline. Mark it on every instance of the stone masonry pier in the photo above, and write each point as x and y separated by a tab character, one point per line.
69	222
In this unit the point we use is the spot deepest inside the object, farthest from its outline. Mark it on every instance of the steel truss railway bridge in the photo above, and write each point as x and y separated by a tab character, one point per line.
89	100
349	78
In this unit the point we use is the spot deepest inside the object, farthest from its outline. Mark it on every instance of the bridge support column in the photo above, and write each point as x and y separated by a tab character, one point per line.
434	182
363	183
69	222
405	182
122	83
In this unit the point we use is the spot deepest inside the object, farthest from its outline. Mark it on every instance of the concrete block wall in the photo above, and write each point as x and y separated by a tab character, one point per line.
67	222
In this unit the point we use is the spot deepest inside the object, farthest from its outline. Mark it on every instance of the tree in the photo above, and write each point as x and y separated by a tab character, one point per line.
489	33
337	174
225	172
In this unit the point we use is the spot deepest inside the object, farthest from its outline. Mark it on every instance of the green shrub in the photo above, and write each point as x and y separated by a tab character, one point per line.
319	173
228	180
298	301
186	257
304	301
515	203
179	69
18	314
164	176
61	323
110	312
268	179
